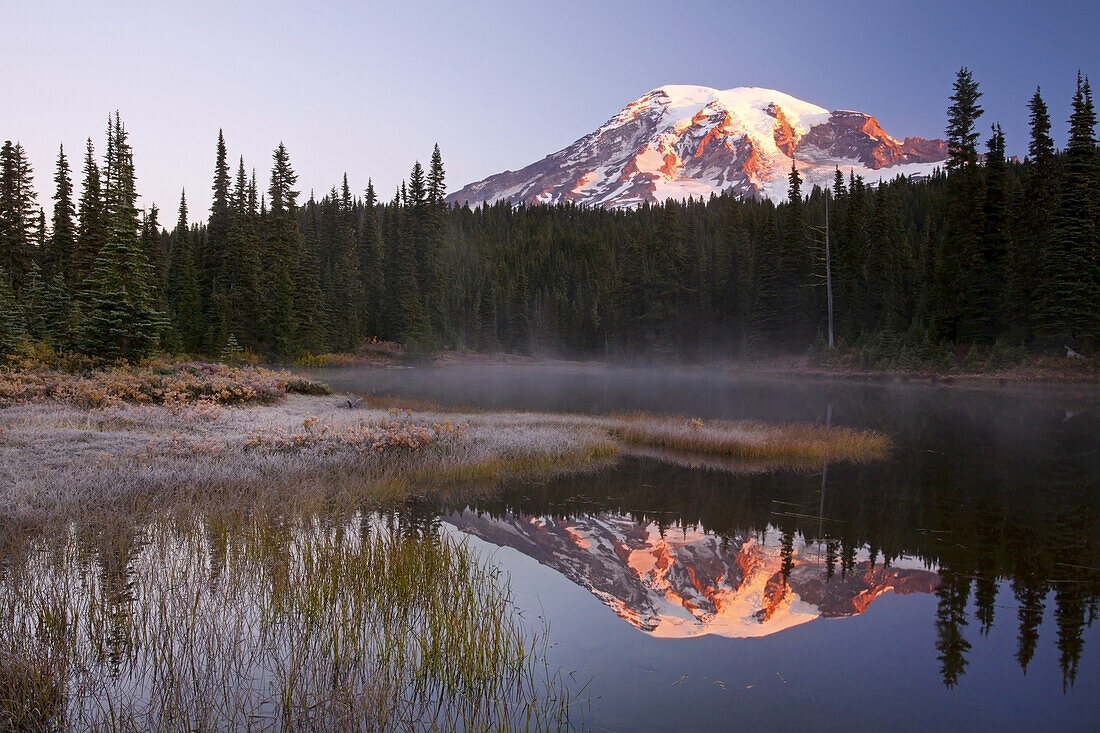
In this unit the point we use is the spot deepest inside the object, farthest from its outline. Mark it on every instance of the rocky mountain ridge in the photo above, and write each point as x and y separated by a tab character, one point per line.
679	141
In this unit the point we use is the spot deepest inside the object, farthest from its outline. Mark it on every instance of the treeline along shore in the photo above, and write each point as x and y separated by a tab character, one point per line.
989	261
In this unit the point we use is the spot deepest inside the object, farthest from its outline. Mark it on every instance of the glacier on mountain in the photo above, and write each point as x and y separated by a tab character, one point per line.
681	141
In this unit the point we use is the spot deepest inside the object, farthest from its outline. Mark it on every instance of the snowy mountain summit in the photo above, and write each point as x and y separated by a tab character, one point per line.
679	141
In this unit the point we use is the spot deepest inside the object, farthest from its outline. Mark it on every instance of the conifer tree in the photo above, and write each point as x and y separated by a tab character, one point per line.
1070	297
346	281
91	222
56	309
122	320
418	229
986	292
435	242
1031	244
518	334
241	276
311	317
404	315
282	250
794	269
962	118
62	242
150	243
32	302
370	246
18	214
960	244
212	252
485	328
12	326
184	299
766	319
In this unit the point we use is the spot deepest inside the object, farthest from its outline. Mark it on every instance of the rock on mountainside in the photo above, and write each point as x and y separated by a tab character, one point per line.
679	141
684	582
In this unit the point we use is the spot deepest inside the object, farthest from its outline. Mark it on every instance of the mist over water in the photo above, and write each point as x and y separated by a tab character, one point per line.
956	582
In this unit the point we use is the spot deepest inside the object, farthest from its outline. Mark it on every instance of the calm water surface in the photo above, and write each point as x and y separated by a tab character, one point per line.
955	584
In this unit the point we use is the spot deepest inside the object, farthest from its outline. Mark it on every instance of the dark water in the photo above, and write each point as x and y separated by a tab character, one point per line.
955	584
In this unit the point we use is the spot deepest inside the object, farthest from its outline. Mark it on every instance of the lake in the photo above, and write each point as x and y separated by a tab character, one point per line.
954	584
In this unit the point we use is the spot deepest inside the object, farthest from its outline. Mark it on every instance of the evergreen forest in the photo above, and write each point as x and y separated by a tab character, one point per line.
988	255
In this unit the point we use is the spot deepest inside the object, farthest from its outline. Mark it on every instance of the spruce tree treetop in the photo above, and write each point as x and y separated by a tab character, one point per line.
839	190
1082	122
437	186
240	190
91	222
1041	147
417	192
63	237
794	193
962	117
181	222
283	178
220	204
18	213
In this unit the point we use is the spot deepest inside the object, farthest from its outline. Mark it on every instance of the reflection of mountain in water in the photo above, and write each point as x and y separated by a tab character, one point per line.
687	582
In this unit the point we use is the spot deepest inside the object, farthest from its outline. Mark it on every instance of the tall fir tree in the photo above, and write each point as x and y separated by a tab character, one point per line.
345	313
311	316
122	320
794	269
1031	245
961	240
435	242
62	241
404	315
212	260
1070	296
18	214
91	222
241	276
282	255
184	296
986	296
370	249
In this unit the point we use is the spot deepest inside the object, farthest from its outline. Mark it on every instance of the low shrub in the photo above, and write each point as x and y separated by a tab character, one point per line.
155	382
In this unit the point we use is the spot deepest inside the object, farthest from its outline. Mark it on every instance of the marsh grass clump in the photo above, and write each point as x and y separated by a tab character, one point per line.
790	446
256	622
32	686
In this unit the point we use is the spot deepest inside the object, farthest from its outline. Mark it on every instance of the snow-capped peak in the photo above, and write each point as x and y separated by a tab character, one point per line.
681	140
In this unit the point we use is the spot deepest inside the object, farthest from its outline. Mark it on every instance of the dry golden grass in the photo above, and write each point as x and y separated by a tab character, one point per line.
788	446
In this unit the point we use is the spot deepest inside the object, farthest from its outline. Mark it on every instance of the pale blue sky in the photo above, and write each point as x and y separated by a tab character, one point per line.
368	87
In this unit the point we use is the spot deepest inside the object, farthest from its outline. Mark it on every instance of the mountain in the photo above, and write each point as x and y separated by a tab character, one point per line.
683	582
679	141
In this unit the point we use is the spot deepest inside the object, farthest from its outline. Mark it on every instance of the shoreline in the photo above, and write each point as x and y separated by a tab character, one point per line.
1068	375
101	446
1037	369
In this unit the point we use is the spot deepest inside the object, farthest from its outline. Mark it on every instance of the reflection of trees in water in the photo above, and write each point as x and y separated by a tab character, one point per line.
983	495
952	646
113	552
